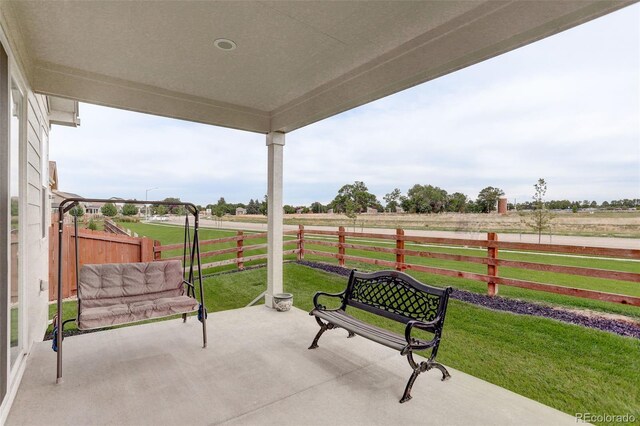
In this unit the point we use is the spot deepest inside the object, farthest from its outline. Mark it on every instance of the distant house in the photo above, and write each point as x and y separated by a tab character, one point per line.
240	211
399	209
93	208
330	211
371	210
59	196
89	208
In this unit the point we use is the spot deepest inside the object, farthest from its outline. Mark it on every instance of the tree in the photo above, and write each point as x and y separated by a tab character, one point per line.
488	198
253	207
392	199
356	196
473	207
263	207
109	210
350	211
318	208
541	216
129	210
219	210
159	210
425	199
457	203
174	208
288	209
77	211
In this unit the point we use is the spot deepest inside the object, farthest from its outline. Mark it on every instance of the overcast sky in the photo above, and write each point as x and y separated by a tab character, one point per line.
566	109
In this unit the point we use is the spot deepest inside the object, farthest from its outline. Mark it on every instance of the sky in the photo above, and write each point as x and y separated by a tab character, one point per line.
566	109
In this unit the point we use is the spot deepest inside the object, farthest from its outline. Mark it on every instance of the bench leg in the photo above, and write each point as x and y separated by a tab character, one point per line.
351	334
184	317
443	370
407	390
421	368
323	327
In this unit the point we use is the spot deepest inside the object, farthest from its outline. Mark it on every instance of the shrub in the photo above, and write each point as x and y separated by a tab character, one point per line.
77	211
129	210
109	210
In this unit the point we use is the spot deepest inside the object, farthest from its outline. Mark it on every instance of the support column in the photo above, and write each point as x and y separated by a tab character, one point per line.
275	147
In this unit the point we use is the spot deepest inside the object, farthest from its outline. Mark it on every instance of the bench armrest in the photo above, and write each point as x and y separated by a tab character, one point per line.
431	326
322	293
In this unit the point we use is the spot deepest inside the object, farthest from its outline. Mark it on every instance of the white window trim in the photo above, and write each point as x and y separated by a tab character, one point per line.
15	371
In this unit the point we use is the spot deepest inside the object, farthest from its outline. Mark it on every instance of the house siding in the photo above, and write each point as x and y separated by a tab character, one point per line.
37	248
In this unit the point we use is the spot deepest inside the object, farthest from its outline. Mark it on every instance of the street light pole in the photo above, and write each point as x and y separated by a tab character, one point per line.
146	206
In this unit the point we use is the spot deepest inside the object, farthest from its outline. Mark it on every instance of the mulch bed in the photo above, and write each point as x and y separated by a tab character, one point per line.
620	327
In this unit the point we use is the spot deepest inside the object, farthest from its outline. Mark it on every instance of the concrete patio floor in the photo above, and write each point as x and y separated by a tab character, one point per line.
257	370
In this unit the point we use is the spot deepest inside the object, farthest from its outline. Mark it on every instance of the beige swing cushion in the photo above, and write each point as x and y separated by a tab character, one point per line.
120	293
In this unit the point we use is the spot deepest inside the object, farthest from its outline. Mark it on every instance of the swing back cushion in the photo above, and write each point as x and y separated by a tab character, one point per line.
111	294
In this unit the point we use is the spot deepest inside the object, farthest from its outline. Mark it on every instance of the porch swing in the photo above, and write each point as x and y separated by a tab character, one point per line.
117	294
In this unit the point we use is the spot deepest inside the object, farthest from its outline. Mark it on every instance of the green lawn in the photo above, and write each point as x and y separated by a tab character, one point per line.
173	234
571	368
612	286
169	234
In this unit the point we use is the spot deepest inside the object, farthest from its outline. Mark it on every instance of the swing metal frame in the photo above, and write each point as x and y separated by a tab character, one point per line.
191	251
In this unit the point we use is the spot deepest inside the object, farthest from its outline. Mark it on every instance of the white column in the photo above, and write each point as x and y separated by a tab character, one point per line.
275	147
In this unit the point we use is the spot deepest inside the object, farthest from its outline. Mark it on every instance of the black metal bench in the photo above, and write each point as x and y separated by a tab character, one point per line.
396	296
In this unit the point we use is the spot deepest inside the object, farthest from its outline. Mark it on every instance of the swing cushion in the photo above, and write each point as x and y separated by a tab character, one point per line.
112	294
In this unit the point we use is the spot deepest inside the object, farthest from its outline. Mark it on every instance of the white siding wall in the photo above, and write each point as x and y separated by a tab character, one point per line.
37	248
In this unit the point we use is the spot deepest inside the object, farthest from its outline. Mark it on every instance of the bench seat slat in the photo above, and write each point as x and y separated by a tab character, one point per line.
343	320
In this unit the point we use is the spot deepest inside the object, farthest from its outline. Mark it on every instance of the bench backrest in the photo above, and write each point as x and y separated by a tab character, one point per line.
115	283
397	296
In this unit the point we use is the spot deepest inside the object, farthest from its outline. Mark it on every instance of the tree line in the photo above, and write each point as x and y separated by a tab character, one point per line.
355	198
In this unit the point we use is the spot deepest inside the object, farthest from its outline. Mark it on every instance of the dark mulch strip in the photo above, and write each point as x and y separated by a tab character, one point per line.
623	328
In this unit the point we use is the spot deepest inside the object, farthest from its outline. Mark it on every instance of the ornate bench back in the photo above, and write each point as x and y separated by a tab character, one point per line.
396	295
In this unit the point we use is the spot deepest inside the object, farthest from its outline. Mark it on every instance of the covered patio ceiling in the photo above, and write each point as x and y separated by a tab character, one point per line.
295	62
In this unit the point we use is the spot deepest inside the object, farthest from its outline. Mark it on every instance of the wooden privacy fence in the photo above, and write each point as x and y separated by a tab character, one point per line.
401	257
94	247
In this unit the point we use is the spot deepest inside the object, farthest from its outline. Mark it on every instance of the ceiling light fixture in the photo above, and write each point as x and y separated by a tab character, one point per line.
225	44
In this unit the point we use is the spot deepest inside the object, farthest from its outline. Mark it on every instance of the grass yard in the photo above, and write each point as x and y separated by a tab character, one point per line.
169	234
612	286
568	367
173	234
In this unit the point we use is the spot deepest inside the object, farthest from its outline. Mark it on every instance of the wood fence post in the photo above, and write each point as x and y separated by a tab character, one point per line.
341	241
240	252
492	268
157	255
300	242
146	250
400	246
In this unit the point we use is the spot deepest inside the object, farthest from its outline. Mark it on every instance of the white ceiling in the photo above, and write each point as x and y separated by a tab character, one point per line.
295	62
